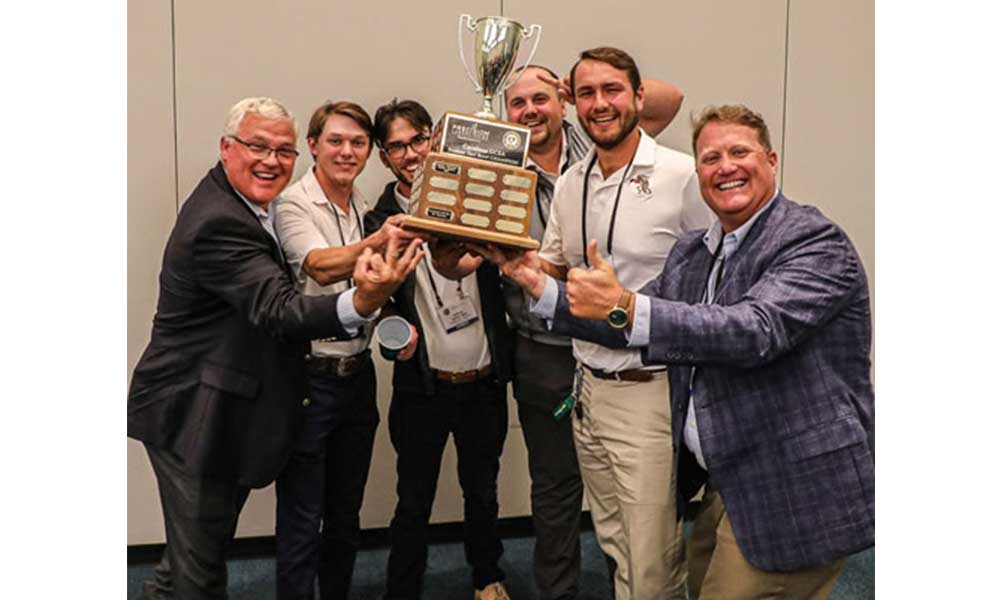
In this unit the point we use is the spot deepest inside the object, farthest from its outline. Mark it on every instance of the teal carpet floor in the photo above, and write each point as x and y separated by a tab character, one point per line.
448	578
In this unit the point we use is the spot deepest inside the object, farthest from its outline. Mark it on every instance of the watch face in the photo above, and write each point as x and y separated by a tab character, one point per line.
618	317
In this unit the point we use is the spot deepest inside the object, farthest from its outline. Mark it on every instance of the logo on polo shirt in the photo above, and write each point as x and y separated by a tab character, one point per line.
641	183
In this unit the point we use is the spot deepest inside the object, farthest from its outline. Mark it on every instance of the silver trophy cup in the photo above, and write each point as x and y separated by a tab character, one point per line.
496	45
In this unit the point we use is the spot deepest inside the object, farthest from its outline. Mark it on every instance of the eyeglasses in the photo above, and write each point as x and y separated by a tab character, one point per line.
397	149
262	151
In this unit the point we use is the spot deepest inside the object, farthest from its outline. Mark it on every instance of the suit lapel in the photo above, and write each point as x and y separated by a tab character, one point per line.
219	174
749	250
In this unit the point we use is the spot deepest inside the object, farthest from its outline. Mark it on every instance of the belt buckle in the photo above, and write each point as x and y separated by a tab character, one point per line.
342	368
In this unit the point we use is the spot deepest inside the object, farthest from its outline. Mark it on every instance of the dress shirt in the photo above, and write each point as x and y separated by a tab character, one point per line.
639	335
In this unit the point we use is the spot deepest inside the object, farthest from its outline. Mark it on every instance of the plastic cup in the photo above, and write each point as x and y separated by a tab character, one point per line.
393	334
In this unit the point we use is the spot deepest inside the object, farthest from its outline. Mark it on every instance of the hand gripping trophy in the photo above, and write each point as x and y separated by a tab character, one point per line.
473	185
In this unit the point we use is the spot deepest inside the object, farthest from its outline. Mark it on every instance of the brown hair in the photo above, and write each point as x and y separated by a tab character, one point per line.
618	59
730	113
411	110
344	108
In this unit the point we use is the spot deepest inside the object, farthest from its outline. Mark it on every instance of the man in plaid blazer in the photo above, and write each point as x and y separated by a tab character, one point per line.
765	323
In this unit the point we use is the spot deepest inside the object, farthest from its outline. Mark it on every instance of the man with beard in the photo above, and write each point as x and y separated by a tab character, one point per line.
320	490
217	394
636	198
456	385
543	361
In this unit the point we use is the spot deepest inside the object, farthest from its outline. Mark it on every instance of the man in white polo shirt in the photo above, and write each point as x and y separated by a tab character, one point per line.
635	198
319	222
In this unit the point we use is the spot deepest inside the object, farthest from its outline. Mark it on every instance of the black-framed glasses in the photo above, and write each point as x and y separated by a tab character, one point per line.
417	143
263	151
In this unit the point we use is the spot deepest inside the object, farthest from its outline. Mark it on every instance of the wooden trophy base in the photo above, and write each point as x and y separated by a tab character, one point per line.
470	199
461	233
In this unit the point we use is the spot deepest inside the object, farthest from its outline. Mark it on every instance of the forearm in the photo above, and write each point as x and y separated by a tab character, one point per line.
661	103
329	265
557	272
464	267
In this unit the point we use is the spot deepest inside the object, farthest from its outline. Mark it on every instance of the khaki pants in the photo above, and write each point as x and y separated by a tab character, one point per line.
624	445
720	572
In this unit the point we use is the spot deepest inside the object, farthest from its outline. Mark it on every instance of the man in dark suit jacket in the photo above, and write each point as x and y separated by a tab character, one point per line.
216	395
765	322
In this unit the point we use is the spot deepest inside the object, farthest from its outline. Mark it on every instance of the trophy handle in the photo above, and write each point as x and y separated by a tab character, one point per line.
467	20
535	29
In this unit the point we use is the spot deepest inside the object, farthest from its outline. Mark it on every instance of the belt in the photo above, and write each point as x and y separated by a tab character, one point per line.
469	376
338	366
638	375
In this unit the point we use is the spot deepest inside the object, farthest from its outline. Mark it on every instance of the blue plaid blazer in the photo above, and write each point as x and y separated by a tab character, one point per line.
786	423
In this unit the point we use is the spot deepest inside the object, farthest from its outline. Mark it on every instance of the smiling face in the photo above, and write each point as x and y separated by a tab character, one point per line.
534	103
606	105
404	166
258	180
341	151
735	171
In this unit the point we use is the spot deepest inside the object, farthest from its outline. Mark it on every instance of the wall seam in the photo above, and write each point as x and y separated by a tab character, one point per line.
784	96
173	89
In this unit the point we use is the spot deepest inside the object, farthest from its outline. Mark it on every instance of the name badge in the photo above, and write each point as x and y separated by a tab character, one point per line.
457	315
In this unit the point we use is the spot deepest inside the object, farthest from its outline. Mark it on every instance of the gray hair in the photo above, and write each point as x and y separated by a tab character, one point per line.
269	108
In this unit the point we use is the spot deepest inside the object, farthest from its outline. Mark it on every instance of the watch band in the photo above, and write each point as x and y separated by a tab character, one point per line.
618	316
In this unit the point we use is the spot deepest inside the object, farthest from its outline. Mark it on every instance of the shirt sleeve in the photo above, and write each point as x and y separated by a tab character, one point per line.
552	242
349	318
545	306
297	232
639	335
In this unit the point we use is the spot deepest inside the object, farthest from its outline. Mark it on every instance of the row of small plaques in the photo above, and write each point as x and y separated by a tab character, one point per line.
478	189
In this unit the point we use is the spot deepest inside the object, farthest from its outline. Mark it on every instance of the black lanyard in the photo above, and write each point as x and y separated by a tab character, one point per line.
340	230
434	287
614	211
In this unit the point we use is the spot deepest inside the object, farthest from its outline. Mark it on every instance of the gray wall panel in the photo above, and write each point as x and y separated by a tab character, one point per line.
152	208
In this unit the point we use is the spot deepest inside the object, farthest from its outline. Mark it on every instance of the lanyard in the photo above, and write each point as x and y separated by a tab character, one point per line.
340	230
614	211
434	287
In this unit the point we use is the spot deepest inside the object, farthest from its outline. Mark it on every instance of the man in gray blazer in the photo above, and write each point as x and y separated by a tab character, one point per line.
765	323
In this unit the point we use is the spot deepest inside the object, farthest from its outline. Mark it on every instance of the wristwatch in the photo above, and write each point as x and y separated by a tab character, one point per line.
618	317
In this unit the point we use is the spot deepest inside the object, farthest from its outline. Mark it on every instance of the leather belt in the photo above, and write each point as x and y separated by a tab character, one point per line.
637	375
338	366
469	376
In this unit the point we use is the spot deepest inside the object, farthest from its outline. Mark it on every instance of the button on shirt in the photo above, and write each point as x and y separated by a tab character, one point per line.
660	201
305	220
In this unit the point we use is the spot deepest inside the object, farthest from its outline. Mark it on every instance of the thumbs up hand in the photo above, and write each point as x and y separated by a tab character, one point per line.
593	292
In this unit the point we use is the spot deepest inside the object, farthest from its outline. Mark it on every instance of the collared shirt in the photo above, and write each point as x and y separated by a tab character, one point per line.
461	350
660	201
305	220
262	215
574	147
639	336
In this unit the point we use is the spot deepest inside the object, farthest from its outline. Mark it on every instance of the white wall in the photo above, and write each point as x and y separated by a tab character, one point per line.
207	55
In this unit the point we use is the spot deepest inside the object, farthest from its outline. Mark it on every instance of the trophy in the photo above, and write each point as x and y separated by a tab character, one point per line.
473	184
